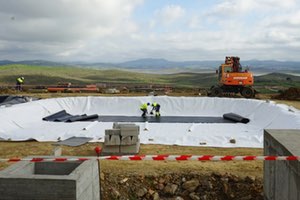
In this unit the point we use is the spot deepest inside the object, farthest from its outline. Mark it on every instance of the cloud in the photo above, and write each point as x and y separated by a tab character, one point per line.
63	24
63	19
237	7
170	14
116	30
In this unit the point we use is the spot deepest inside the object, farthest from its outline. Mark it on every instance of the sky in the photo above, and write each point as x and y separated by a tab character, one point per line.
123	30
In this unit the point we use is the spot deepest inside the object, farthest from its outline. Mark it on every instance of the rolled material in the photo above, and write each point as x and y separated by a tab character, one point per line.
89	117
63	116
236	118
55	115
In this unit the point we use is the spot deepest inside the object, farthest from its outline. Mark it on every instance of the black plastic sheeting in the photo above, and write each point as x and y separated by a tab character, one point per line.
7	100
63	116
236	118
164	119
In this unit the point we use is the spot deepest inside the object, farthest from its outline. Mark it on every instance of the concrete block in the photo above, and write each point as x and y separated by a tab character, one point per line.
113	132
109	150
130	130
51	180
130	149
282	178
112	140
129	140
117	125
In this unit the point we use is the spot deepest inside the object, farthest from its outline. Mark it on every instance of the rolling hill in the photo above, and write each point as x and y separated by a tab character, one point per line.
50	75
159	66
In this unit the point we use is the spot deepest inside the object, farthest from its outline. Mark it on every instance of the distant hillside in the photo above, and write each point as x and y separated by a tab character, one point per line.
273	66
278	79
46	75
159	66
34	62
163	64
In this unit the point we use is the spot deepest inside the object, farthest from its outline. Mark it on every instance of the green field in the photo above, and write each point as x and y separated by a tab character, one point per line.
43	75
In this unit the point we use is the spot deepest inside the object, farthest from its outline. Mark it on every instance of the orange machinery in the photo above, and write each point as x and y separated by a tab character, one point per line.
232	79
67	87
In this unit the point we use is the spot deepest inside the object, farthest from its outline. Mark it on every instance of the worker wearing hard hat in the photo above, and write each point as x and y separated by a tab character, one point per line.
144	108
156	108
19	83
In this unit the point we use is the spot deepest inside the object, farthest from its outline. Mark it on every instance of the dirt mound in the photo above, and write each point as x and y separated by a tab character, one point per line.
292	93
180	187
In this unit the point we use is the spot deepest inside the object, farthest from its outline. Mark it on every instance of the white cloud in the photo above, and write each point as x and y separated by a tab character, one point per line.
242	7
60	18
110	31
64	23
170	14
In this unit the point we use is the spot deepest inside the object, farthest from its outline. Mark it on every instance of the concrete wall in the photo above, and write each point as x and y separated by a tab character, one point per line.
282	178
50	180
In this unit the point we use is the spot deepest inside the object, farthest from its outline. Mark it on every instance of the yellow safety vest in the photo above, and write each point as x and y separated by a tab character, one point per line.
144	106
20	80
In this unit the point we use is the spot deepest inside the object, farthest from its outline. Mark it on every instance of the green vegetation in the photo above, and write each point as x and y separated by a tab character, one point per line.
275	82
40	75
44	75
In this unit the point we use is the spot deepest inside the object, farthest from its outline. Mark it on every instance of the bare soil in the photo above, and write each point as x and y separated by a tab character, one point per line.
128	179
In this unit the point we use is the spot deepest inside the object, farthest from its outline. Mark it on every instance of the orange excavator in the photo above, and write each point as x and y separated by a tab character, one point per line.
233	79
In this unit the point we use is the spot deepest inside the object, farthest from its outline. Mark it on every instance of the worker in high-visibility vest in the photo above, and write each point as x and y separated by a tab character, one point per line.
19	83
144	108
156	108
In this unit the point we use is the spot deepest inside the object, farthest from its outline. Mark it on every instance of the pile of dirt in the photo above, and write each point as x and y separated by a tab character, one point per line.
180	187
292	93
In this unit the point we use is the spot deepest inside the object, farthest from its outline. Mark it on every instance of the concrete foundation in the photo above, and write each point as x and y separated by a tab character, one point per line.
282	178
67	180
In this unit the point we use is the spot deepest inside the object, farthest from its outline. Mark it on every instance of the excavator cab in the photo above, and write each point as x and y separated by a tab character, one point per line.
232	79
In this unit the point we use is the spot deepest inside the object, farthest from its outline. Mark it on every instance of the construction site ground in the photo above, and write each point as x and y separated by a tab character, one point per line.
163	179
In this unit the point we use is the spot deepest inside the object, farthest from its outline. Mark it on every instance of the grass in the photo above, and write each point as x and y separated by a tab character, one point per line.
52	75
253	168
295	104
43	75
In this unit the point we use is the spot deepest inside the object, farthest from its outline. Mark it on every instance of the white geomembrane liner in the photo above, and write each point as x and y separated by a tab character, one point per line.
23	121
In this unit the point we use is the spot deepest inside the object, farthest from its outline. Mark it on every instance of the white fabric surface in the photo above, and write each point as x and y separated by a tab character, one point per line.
23	121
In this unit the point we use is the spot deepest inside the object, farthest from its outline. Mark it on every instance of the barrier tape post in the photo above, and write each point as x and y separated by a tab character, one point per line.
158	158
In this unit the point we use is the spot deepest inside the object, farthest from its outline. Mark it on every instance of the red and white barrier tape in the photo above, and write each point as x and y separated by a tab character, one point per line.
157	158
